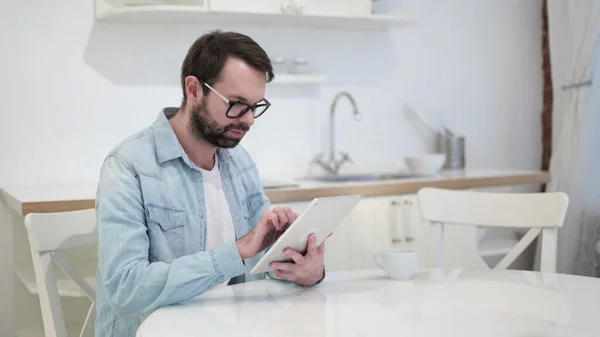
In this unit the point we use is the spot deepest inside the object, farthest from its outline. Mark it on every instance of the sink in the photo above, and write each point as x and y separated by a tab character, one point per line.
360	177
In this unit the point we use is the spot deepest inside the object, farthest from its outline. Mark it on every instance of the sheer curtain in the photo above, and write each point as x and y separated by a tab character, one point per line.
573	27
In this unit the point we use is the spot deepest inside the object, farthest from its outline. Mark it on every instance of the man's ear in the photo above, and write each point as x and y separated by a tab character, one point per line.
193	88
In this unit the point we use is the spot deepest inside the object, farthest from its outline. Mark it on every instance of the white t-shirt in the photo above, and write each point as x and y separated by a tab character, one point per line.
219	223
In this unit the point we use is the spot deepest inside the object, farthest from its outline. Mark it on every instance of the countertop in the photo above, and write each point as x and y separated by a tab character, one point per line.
67	197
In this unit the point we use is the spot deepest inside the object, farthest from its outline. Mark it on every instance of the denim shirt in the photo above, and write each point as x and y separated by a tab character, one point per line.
152	226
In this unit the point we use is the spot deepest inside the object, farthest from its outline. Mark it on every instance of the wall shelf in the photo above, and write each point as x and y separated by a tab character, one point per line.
153	13
299	79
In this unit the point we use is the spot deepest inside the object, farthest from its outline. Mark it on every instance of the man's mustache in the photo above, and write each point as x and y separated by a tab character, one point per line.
240	127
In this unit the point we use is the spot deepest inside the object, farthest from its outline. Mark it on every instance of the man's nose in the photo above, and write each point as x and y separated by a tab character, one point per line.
248	118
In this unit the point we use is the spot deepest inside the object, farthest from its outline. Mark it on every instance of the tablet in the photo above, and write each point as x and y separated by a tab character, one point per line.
321	217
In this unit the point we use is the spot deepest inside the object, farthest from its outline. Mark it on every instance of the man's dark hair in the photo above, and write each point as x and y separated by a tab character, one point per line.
207	56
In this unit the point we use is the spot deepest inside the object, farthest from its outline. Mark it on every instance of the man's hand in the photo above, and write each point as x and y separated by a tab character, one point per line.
306	270
266	232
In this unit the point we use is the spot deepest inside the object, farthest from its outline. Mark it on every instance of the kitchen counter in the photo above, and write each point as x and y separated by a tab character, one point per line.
67	197
17	304
463	179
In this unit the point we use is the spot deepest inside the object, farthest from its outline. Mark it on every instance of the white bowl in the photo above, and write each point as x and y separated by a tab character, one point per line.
425	164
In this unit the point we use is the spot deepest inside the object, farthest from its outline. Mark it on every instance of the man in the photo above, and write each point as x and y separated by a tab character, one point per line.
180	206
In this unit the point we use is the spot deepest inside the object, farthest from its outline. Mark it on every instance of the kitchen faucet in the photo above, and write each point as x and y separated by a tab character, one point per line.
332	166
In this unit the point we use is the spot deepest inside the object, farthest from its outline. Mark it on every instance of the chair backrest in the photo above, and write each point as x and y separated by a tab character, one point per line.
541	212
48	234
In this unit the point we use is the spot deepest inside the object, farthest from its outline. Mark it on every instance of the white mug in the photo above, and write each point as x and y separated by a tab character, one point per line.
399	263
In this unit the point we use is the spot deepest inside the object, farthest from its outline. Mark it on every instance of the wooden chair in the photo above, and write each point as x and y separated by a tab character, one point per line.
442	209
48	234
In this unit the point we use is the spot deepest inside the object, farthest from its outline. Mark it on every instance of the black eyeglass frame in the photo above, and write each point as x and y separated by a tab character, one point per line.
248	107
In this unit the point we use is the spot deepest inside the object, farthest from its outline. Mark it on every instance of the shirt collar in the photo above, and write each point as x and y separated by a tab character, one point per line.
167	143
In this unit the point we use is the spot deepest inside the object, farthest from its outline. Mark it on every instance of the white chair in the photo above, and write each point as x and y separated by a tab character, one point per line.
48	234
541	212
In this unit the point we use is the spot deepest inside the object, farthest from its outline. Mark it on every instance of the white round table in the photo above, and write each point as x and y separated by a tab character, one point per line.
367	303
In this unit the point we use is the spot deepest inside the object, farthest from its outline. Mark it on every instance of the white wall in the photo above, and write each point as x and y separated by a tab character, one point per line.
72	88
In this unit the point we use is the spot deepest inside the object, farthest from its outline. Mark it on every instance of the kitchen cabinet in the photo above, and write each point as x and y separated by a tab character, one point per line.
163	2
255	6
314	14
378	223
333	7
366	231
295	7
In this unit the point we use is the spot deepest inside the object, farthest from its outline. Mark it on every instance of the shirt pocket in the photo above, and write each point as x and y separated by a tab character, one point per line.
166	226
254	204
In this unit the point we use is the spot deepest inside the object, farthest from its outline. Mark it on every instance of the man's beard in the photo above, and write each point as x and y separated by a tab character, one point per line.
205	128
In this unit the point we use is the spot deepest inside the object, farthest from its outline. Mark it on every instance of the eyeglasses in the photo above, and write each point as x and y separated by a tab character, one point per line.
237	109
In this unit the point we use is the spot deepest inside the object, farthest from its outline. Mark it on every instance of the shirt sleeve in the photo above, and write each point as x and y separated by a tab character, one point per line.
133	285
